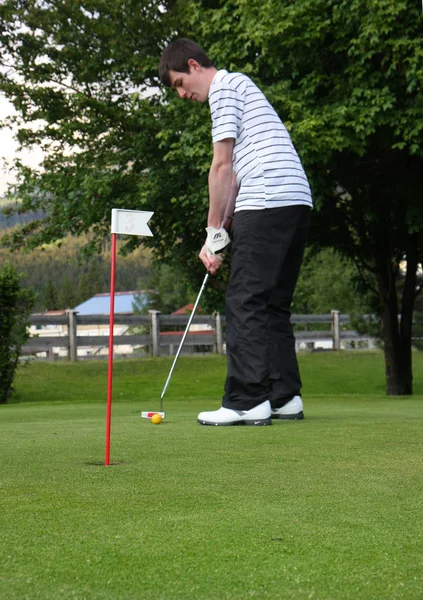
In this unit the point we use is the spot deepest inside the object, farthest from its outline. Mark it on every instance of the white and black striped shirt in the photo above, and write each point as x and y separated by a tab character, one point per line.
268	170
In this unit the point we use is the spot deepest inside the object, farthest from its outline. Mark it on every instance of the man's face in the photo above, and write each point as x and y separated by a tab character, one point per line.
191	86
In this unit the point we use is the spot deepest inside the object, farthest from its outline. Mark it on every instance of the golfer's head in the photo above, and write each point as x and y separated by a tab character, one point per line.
187	68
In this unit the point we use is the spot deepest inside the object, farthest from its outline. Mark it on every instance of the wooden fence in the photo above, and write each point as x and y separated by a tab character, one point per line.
158	338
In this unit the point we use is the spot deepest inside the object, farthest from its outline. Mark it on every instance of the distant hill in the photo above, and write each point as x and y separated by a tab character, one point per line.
5	201
12	220
62	276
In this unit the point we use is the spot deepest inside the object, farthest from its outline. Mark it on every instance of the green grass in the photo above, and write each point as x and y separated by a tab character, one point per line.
325	508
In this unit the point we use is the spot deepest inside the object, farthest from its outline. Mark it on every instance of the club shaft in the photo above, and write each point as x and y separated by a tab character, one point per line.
183	338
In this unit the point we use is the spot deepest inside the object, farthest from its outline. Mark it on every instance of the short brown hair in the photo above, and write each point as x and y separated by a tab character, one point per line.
176	55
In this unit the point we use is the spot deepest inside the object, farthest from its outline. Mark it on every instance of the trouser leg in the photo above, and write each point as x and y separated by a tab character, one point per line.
258	298
285	380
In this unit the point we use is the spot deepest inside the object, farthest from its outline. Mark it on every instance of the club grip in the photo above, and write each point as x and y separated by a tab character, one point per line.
227	224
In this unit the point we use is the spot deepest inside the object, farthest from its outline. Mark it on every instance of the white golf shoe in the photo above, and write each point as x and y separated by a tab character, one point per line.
292	410
259	415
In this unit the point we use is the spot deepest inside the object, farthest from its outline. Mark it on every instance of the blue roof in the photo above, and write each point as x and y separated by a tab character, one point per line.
100	303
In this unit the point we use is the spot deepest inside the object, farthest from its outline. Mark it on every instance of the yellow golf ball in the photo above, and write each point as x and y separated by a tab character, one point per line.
156	419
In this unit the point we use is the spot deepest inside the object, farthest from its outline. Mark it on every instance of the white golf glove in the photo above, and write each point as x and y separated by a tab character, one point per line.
217	240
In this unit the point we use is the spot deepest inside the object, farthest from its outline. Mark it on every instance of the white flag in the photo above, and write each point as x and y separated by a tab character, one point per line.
131	222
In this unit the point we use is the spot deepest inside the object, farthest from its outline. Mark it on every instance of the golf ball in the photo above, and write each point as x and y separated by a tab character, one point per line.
156	419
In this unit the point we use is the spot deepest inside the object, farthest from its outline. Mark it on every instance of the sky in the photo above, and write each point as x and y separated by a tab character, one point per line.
8	148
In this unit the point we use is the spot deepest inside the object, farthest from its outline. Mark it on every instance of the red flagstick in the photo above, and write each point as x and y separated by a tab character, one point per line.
110	375
124	222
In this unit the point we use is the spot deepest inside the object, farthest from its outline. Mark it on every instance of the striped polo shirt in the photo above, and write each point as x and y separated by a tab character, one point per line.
268	170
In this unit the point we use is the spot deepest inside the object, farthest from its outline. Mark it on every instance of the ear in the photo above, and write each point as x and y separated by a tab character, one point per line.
193	64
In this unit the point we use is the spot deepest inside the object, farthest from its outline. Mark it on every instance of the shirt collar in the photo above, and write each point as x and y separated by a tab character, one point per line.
218	77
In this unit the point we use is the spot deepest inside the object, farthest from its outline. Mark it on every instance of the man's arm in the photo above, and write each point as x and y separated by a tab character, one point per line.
220	182
230	205
222	194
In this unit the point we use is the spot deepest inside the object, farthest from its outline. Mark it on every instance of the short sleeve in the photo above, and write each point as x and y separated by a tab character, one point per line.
226	108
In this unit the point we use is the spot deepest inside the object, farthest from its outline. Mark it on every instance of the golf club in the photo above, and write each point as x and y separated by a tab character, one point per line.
227	225
183	339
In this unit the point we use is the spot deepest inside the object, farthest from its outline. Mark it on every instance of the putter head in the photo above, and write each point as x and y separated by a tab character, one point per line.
147	414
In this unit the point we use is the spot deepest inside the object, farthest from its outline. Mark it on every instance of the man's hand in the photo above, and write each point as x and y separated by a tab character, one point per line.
217	240
211	262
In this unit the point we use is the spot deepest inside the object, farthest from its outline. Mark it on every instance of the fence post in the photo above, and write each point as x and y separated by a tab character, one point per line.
50	352
336	331
72	331
219	333
155	332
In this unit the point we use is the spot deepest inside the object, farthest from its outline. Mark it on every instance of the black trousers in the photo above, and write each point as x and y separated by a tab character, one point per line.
267	252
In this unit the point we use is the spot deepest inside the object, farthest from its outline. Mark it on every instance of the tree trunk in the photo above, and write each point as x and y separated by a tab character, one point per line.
398	363
398	329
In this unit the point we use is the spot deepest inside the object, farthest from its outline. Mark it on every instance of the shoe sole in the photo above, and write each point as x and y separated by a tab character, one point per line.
258	422
296	417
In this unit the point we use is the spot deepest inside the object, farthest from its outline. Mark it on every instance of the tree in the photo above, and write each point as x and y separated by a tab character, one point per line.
346	77
328	281
167	290
15	306
67	295
87	75
51	300
81	69
91	281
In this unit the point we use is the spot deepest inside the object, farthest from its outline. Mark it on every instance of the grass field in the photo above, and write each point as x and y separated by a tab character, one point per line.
325	508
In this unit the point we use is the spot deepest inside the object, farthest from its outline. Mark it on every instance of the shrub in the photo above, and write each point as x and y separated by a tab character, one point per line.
15	306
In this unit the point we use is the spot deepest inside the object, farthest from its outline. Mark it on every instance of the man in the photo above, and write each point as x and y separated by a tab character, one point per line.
257	177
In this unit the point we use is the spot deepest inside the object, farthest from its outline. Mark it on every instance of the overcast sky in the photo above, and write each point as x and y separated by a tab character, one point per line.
8	148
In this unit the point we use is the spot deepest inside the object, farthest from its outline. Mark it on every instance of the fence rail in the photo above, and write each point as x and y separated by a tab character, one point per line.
157	338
